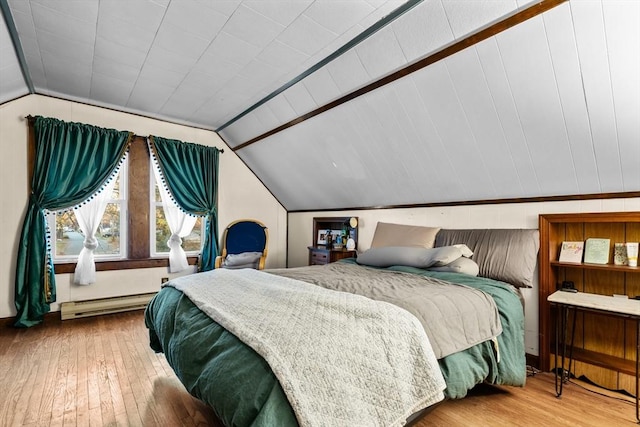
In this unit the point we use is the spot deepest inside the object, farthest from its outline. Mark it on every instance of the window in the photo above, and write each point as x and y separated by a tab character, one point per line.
135	232
111	233
160	231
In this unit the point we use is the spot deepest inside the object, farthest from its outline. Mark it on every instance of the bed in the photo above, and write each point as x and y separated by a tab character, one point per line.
234	377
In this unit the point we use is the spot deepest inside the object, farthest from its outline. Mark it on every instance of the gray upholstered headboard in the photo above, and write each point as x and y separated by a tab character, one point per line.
508	255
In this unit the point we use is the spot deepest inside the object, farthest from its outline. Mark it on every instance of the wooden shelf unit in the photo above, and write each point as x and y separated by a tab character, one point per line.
320	254
605	346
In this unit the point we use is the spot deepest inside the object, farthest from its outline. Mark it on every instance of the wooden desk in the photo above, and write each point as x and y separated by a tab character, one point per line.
614	306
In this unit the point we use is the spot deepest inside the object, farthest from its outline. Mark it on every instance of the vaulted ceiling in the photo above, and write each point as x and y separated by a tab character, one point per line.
432	101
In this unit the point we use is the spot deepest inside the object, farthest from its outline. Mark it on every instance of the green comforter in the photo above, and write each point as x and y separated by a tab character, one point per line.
220	370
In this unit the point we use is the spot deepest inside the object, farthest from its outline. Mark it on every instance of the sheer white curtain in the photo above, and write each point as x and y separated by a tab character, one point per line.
179	223
89	216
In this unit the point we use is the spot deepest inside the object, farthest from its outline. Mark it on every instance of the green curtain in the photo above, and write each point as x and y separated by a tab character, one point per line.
72	161
190	172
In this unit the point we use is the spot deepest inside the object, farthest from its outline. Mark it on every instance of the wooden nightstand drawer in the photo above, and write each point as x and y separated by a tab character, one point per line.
319	257
322	255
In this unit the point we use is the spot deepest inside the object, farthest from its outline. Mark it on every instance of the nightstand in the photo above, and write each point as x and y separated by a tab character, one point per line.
320	255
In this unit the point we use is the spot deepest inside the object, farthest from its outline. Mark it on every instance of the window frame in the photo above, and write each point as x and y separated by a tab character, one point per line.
123	202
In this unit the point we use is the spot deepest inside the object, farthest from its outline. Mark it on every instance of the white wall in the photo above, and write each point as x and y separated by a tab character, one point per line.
517	215
241	195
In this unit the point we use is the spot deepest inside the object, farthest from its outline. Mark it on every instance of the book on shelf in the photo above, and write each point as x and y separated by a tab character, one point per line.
571	252
596	251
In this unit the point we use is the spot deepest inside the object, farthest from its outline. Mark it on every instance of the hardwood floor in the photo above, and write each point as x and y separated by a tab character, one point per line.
100	371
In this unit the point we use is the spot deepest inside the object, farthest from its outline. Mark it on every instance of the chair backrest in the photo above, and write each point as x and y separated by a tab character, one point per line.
245	236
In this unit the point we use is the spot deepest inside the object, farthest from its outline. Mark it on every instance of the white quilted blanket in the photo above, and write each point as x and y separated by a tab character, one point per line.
341	359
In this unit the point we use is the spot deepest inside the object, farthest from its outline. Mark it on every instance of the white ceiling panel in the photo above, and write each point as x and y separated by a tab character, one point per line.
175	39
283	12
110	90
338	15
595	66
119	54
441	101
228	48
72	23
300	99
423	30
348	72
322	87
381	54
282	109
426	144
621	20
114	69
252	27
143	15
195	17
150	96
60	78
306	35
467	16
123	33
498	83
526	59
562	47
282	57
480	113
173	61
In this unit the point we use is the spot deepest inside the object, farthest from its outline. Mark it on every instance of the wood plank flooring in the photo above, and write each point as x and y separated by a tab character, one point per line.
100	371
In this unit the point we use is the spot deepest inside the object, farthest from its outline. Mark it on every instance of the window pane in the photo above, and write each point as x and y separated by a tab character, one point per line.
108	233
193	242
68	237
162	231
70	240
116	188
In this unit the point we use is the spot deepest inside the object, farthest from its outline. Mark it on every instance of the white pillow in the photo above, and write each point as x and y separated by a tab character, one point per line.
461	265
409	256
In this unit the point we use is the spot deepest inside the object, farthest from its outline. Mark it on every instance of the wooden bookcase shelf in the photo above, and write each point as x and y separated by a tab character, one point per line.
605	346
602	267
321	254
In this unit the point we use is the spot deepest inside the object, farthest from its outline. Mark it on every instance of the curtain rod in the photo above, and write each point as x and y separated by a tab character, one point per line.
31	119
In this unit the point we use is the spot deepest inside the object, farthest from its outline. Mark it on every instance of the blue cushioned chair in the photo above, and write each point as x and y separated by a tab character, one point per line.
244	245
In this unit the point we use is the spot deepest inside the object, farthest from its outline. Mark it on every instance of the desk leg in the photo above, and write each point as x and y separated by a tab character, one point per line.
561	329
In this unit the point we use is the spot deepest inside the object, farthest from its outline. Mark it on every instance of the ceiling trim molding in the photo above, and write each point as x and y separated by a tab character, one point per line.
570	197
340	51
480	35
13	33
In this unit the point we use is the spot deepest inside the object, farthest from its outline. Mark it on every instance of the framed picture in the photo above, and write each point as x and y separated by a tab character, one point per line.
322	237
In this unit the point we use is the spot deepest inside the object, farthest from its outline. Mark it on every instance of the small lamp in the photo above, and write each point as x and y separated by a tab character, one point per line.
351	243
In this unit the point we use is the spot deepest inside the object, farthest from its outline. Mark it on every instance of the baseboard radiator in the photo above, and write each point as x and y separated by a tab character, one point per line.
95	307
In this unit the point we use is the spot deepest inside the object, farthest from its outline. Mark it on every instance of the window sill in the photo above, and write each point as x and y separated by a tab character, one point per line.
124	264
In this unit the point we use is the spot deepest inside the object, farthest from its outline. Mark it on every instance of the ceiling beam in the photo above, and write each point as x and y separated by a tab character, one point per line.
477	37
15	40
